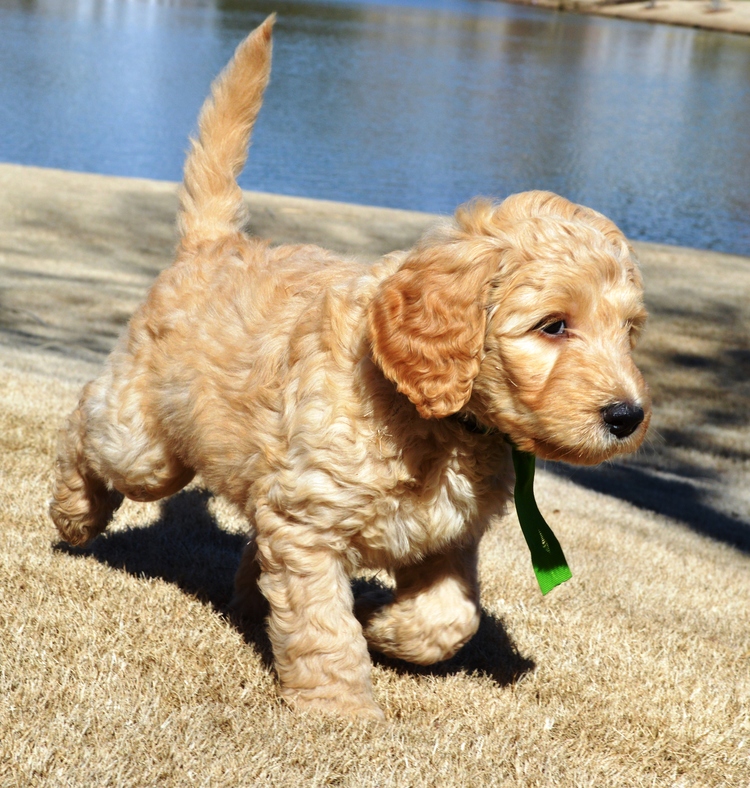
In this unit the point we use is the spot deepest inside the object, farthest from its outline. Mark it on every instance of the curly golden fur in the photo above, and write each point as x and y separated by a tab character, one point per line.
358	415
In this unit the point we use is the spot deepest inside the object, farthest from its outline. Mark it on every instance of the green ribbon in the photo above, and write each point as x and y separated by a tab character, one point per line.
547	557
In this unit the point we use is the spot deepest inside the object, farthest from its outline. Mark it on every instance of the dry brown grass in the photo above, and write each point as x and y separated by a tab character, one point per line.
120	666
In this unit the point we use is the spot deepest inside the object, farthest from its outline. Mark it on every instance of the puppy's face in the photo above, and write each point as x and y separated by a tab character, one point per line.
524	315
557	375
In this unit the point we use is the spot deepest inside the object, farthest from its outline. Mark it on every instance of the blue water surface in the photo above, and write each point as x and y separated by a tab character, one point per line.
417	105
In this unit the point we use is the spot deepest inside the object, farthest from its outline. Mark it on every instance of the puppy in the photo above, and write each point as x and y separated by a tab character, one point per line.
360	416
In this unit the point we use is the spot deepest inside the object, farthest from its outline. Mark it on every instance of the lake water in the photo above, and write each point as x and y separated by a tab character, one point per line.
417	105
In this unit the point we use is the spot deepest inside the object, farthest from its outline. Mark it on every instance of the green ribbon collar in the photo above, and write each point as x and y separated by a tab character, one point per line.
547	557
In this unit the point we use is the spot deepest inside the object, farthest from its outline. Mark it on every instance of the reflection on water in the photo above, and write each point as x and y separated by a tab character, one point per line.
417	105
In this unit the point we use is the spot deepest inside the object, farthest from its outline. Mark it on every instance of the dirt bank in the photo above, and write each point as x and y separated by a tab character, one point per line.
731	16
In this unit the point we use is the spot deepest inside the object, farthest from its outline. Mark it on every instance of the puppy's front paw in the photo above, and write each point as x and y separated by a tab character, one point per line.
344	705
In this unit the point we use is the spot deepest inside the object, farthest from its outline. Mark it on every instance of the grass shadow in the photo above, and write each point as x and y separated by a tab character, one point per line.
675	496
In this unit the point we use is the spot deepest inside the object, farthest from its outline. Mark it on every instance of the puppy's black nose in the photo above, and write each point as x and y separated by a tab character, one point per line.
622	418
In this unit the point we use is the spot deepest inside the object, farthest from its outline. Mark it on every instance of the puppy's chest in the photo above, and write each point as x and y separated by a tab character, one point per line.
439	498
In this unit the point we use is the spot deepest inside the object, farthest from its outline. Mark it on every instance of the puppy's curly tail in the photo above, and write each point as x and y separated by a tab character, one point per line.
211	204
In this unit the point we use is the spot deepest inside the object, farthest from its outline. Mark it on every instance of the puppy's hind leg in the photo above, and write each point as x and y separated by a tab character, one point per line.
82	504
108	450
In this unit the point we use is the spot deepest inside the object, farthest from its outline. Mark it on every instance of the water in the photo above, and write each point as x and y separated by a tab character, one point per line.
410	105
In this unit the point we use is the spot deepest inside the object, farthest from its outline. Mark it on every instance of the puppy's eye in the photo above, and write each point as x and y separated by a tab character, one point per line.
634	329
554	329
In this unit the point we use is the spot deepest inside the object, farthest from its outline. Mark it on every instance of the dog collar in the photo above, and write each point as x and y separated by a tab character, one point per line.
550	566
471	424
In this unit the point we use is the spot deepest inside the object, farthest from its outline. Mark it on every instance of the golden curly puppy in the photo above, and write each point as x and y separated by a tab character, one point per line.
359	415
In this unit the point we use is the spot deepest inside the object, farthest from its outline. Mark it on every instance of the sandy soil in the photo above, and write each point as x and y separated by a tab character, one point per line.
732	16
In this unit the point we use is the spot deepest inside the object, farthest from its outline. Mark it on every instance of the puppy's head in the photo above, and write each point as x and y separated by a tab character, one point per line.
525	315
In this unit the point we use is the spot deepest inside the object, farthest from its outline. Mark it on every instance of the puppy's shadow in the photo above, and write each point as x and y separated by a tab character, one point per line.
187	547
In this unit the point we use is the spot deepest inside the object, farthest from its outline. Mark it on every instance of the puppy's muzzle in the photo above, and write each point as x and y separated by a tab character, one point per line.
622	418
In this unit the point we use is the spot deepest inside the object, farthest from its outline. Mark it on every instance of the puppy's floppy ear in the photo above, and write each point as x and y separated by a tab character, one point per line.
426	326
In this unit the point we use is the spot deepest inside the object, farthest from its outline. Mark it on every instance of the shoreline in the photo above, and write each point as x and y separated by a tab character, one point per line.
733	16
